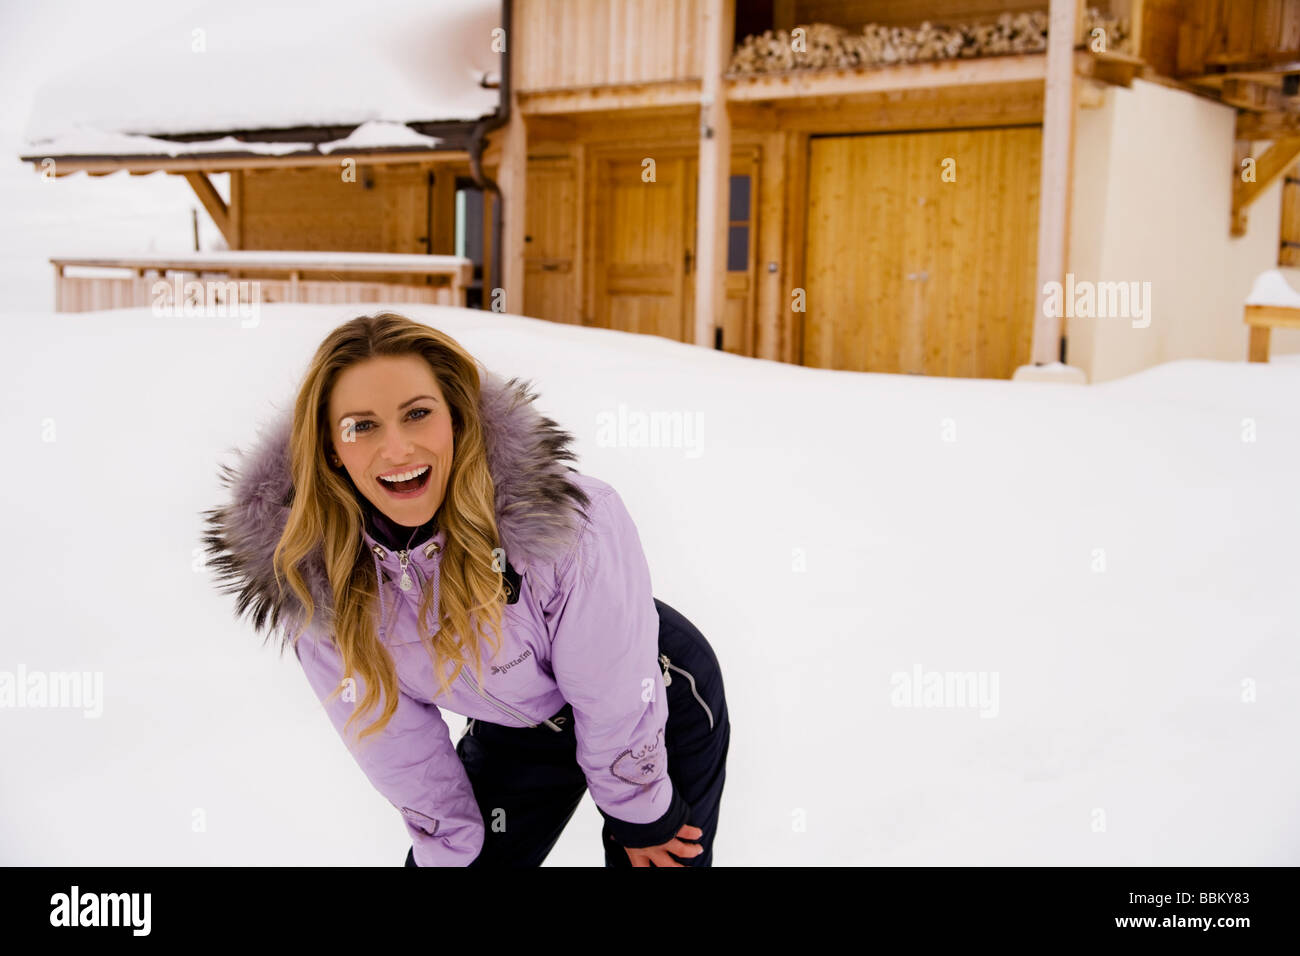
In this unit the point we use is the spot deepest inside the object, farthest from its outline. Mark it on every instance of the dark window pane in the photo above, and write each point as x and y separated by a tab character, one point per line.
739	198
738	249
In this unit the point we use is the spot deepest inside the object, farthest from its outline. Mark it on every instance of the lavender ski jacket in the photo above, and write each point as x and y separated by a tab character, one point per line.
581	627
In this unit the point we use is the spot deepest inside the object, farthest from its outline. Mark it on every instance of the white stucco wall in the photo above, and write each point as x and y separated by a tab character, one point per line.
1152	201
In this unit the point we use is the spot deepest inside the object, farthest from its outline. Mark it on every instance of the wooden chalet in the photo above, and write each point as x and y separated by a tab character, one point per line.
873	185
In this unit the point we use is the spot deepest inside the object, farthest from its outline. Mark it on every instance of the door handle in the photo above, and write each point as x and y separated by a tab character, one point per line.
922	275
688	259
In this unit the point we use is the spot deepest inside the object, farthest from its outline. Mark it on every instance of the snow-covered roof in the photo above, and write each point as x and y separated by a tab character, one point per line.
375	134
245	65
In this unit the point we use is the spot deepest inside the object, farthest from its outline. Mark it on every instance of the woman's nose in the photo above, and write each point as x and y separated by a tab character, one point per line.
396	447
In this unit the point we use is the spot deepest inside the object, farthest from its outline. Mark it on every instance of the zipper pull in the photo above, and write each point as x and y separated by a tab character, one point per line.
663	661
404	557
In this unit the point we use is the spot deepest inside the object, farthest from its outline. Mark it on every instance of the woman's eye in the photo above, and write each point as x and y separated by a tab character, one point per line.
422	414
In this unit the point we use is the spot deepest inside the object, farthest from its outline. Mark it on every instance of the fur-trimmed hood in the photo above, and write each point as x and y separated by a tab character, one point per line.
539	508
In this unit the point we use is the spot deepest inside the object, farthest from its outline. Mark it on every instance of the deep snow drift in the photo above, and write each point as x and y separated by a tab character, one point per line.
1115	562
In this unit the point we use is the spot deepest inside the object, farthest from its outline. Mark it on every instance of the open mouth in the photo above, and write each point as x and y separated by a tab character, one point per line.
414	482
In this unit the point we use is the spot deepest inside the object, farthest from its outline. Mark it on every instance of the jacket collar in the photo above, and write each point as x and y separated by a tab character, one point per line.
539	508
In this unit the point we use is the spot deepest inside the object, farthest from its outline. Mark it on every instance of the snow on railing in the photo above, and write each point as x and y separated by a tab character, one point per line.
90	283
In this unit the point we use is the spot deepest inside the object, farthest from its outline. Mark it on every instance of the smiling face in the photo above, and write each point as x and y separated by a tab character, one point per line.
388	420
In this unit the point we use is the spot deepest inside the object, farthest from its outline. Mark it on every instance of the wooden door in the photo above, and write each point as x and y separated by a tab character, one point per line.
550	240
907	271
644	259
641	239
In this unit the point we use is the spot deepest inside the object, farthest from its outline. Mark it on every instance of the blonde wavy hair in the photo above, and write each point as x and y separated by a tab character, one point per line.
326	513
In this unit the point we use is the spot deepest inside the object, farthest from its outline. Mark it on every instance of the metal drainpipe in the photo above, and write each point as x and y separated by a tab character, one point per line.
484	126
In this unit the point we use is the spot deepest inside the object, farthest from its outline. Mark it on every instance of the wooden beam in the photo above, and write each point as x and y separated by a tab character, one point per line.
1025	68
1272	317
783	15
212	202
1269	125
1268	167
1117	69
1249	95
272	260
717	26
512	178
622	96
1017	68
1056	173
442	211
1135	12
104	165
237	208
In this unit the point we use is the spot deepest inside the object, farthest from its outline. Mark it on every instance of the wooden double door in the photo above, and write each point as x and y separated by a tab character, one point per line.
921	251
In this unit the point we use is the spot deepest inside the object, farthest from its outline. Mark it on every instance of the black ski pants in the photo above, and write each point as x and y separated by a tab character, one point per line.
533	773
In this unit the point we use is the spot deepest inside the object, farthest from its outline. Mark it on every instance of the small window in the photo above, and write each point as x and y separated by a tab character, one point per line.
739	198
738	225
738	249
469	235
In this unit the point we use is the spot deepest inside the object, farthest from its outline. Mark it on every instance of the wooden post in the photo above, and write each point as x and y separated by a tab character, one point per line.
1259	335
489	280
442	209
236	218
719	18
773	305
1056	174
512	178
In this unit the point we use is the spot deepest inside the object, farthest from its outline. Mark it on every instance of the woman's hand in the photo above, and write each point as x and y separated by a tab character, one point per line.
659	855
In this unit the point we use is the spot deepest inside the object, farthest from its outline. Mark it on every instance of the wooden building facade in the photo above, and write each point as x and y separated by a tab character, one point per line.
895	218
891	217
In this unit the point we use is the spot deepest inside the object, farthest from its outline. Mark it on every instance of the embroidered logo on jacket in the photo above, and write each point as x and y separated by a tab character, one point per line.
640	766
502	668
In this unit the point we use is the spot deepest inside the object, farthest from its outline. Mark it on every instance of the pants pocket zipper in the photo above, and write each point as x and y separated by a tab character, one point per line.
668	679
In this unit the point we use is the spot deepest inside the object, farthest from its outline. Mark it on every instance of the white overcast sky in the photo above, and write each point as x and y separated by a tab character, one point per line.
41	39
74	215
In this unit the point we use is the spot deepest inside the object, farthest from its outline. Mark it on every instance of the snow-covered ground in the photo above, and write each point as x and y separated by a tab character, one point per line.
1116	561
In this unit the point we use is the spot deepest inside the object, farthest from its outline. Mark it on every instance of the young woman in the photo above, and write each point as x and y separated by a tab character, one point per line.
412	530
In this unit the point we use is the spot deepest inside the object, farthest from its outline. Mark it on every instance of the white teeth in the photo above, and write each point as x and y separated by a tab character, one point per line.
406	475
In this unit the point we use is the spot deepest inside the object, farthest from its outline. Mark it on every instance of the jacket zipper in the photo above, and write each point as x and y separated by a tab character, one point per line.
501	705
403	558
668	679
